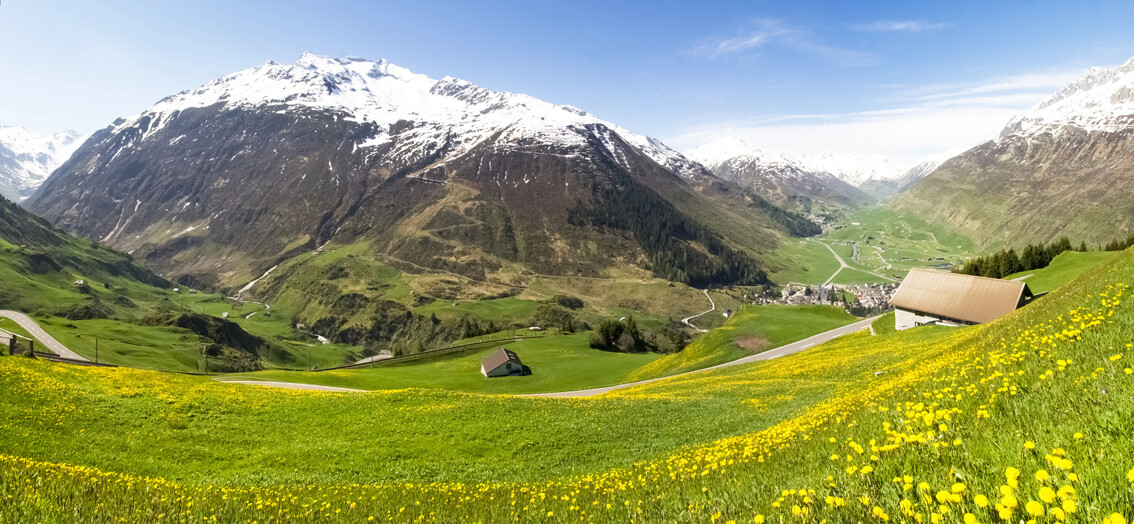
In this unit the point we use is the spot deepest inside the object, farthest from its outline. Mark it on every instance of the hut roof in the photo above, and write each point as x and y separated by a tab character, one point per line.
962	297
498	358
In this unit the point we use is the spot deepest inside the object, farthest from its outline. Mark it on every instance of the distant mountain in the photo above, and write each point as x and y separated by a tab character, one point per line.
926	166
218	184
855	170
27	159
1066	167
781	179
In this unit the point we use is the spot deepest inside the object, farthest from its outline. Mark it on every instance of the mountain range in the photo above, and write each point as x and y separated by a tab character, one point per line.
217	185
1063	168
27	159
801	181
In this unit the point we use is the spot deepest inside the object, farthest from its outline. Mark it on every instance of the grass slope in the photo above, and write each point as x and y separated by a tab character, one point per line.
751	330
558	363
1063	269
1026	418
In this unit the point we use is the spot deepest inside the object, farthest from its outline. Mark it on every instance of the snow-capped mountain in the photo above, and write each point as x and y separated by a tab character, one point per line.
927	165
1100	100
853	169
447	110
226	180
1065	167
777	177
27	159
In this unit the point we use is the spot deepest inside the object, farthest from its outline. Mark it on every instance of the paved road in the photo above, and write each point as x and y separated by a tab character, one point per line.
842	263
788	349
39	334
711	309
294	385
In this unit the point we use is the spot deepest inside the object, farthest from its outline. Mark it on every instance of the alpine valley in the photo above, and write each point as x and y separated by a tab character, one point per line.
338	291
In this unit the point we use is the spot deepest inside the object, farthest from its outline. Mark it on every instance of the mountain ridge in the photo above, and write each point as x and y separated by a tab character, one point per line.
1052	171
220	183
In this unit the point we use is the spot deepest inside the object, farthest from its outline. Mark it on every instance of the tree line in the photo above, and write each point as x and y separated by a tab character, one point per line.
1006	262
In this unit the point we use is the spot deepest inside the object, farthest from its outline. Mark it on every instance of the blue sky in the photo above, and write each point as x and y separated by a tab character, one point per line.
903	79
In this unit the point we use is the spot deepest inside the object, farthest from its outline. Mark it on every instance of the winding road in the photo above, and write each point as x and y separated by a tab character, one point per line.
711	309
843	263
39	334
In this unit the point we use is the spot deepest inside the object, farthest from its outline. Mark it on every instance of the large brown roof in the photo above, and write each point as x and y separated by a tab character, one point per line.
498	358
961	297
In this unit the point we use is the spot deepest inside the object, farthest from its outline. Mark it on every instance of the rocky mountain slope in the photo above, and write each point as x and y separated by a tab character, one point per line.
1064	168
781	179
219	184
27	159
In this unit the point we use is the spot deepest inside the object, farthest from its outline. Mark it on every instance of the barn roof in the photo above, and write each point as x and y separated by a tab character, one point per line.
961	297
498	358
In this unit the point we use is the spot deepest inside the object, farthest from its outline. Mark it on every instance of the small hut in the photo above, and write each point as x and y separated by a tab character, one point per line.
502	363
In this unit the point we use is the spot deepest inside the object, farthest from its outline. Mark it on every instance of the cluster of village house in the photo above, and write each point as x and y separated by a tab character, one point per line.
869	296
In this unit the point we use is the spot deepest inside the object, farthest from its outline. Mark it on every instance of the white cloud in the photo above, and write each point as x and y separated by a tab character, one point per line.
909	124
900	26
767	33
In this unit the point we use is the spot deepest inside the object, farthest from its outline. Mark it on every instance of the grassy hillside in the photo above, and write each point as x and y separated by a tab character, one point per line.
1063	269
753	329
558	363
1024	418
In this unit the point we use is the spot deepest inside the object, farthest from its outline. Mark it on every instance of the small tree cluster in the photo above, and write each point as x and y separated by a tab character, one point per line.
1119	245
1006	262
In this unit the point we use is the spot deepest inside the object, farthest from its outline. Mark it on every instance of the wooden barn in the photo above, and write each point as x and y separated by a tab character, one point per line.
932	297
502	363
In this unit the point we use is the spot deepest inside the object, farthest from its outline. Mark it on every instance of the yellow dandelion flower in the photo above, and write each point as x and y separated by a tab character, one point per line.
1029	445
1047	495
1042	476
1034	508
981	501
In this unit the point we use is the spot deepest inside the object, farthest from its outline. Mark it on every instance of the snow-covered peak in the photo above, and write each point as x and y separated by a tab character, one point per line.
927	165
1100	100
377	91
853	169
27	159
733	148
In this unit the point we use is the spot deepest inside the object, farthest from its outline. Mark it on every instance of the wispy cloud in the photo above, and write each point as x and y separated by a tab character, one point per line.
900	26
762	33
770	33
908	124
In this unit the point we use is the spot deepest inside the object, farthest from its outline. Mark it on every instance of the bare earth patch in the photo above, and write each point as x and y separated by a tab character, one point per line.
752	343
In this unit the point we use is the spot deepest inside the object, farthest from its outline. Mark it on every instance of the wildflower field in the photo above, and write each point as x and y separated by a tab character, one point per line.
1027	419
